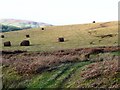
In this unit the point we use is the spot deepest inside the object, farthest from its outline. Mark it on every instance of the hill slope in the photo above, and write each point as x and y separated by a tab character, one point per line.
76	36
62	64
14	25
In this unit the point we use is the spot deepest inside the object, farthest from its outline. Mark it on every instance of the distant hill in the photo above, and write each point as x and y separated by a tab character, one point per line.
7	25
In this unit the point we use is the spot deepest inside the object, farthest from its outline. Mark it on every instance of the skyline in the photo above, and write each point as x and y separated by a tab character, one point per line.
60	12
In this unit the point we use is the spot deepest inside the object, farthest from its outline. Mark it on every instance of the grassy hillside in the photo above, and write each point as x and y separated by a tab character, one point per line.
76	36
69	64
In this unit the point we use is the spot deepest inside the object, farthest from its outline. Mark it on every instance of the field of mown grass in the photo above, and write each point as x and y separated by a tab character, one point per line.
76	36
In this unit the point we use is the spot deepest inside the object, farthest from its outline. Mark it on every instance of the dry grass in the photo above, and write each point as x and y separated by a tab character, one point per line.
104	68
27	62
103	74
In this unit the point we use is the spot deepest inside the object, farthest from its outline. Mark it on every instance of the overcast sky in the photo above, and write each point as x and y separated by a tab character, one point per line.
60	12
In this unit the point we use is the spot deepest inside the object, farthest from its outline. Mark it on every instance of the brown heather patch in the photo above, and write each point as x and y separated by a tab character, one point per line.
36	62
24	64
104	68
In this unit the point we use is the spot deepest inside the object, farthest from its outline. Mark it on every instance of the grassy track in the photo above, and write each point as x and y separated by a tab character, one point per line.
56	78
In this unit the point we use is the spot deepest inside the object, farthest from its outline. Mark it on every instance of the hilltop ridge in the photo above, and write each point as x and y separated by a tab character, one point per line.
16	24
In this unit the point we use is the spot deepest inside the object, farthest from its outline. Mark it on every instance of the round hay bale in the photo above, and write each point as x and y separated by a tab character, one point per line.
61	39
93	21
8	43
25	43
42	28
2	36
27	36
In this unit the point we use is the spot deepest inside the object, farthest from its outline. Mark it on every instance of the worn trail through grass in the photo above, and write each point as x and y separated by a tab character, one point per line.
56	78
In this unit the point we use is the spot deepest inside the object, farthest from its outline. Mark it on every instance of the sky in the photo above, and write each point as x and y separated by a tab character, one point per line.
60	12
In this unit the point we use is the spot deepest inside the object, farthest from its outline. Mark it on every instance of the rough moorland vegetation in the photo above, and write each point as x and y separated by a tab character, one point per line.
74	68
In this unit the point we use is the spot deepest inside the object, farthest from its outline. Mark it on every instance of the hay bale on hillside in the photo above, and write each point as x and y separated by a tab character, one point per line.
2	36
93	21
8	43
25	43
61	39
42	28
27	36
